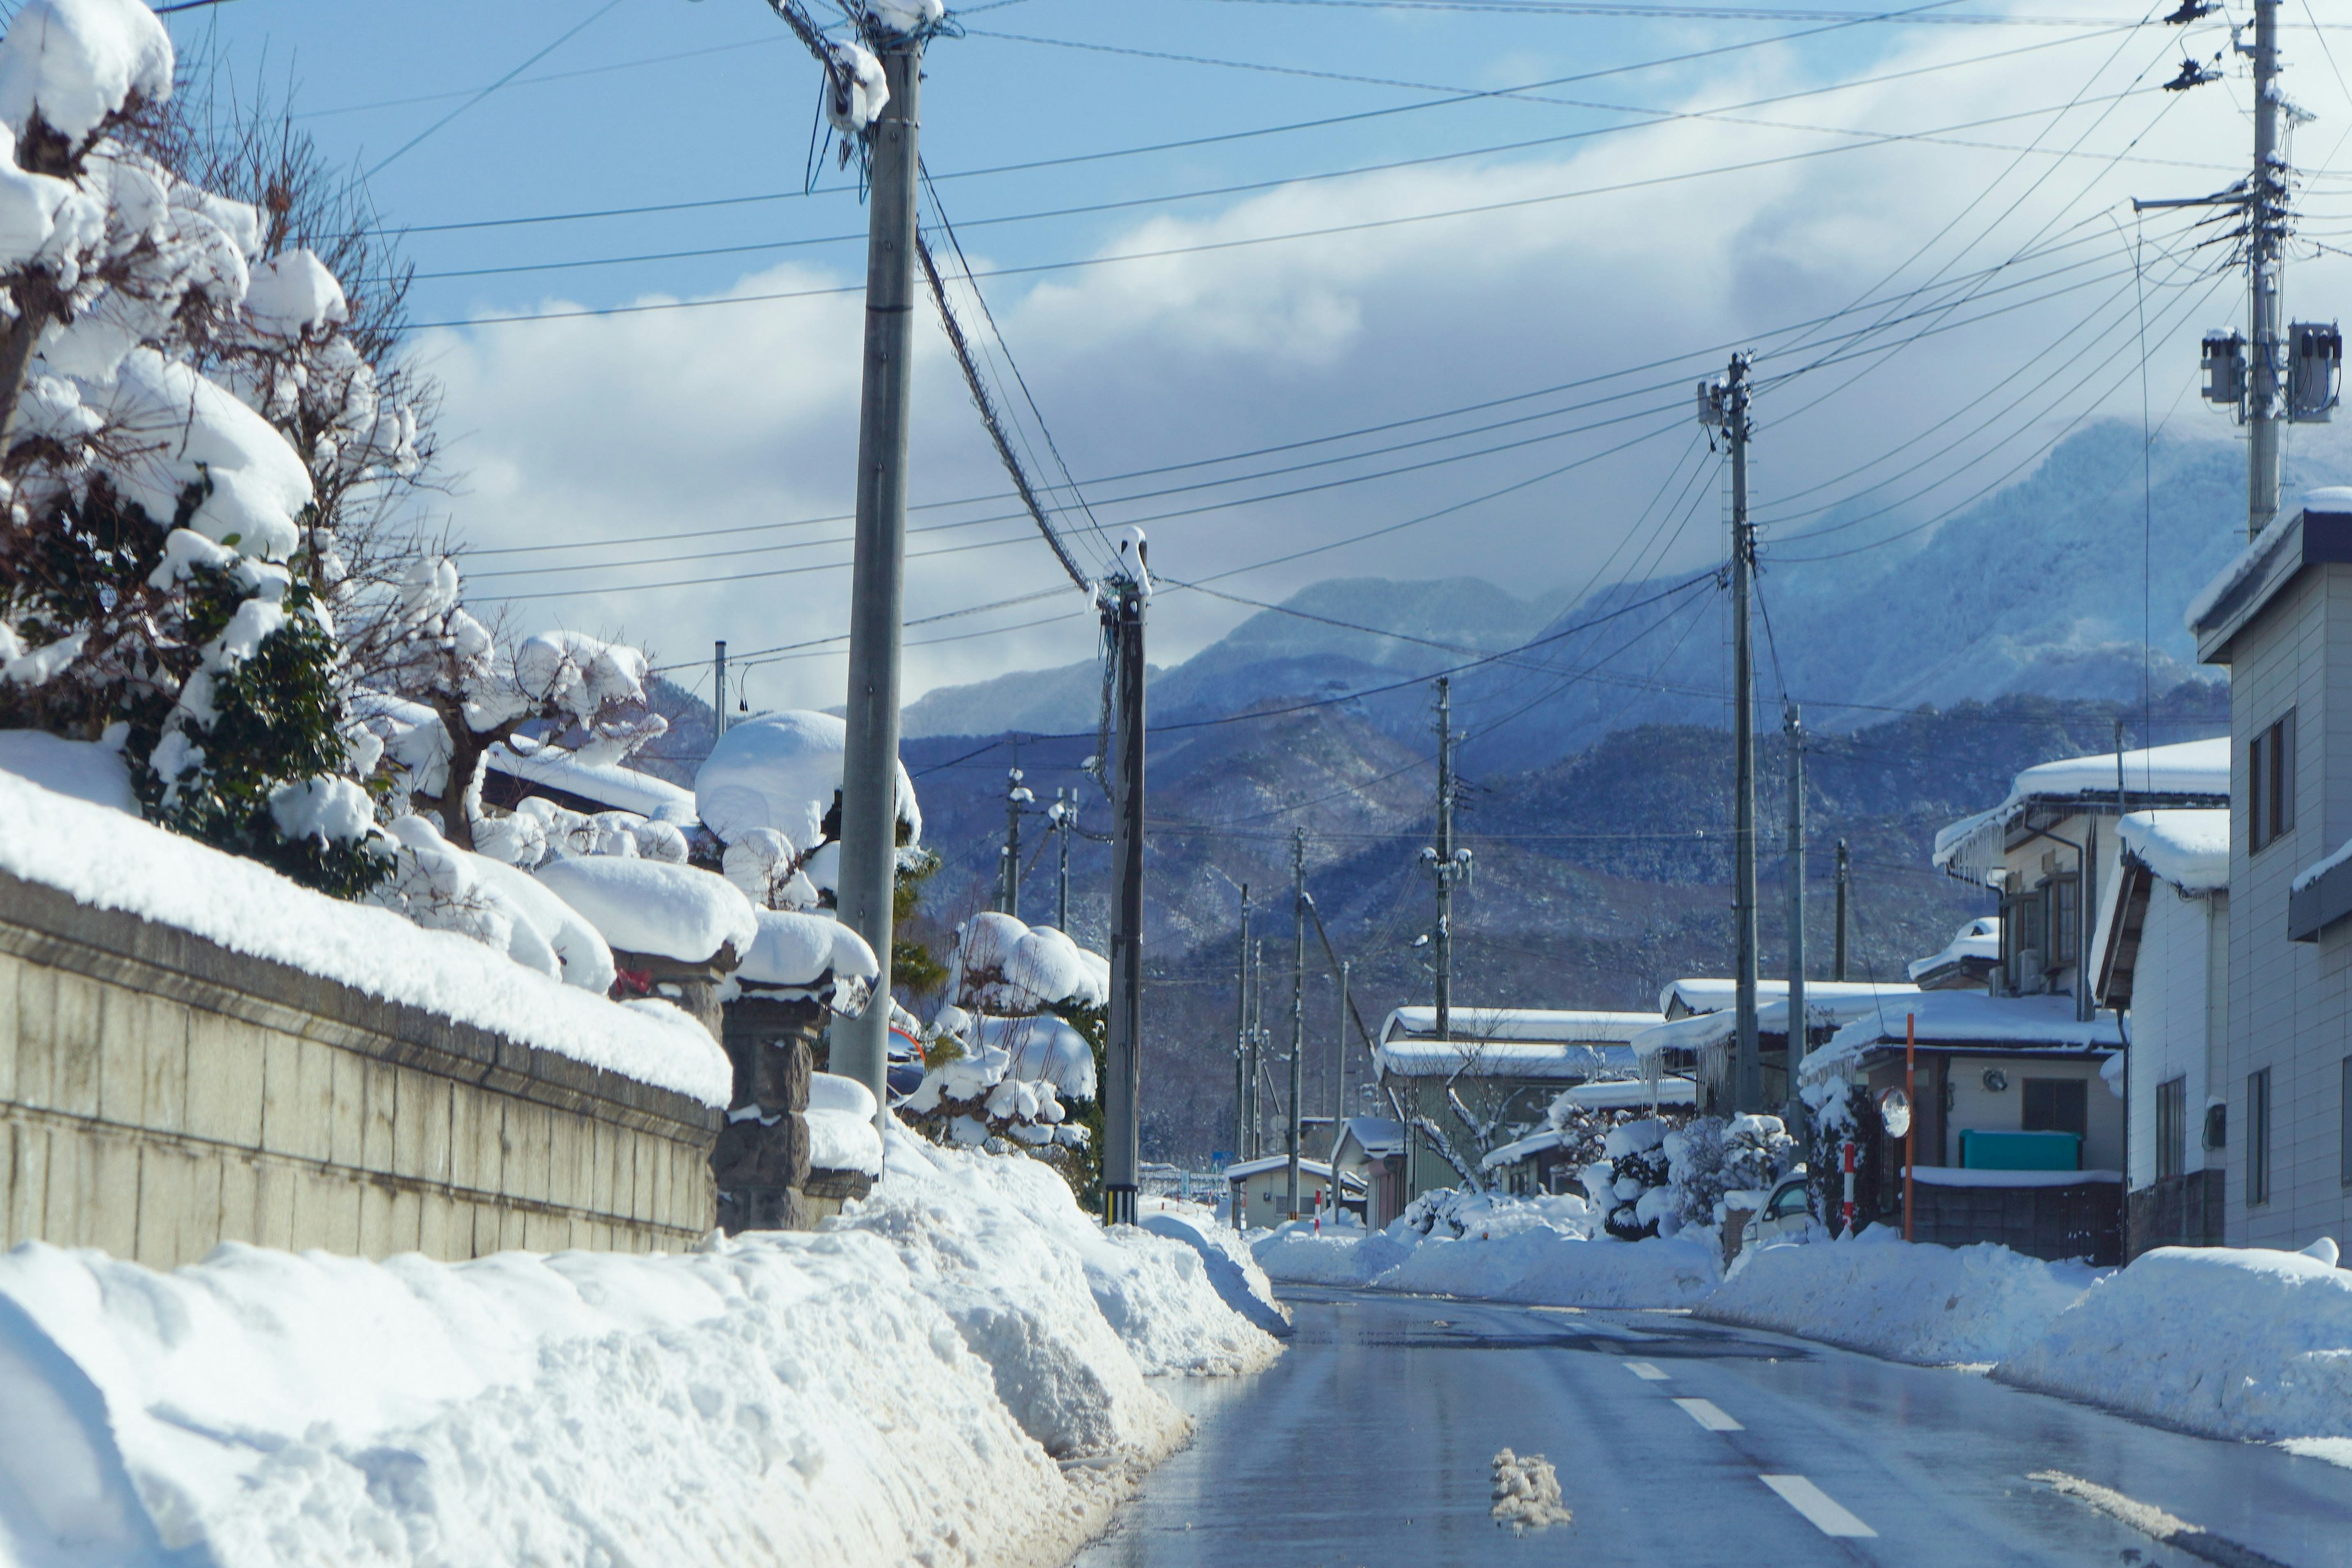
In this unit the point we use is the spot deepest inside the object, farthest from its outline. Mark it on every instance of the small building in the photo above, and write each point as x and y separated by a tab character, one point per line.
1369	1154
1966	964
1491	1082
1258	1191
2162	948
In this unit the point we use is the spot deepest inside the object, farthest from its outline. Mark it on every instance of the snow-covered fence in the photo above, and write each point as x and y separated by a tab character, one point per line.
160	1093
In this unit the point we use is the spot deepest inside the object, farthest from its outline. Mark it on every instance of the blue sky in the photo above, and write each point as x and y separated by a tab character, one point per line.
663	426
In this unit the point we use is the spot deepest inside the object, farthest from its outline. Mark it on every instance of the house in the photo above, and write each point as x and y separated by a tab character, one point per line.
1545	1162
1258	1191
2162	956
1701	1023
2280	618
1491	1082
1966	964
1369	1154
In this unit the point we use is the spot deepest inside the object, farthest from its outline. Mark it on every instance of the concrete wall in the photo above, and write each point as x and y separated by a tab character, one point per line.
2290	1003
160	1094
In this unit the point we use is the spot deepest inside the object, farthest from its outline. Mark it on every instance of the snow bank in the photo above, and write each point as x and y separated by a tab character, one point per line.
2229	1342
1232	1268
1915	1302
102	858
652	906
1536	1251
85	770
953	1374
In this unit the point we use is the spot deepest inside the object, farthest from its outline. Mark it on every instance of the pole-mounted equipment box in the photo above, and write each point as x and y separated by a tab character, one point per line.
2224	364
2314	371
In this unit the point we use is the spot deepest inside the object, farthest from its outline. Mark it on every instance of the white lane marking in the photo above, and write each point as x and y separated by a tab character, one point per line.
1826	1513
1709	1416
1645	1371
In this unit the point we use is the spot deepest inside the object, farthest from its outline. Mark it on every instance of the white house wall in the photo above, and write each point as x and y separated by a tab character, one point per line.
2169	1020
2290	1003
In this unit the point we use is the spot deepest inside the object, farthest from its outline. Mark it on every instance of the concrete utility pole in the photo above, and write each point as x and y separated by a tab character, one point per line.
1065	816
869	771
1241	1040
1339	1079
718	690
1122	599
1844	870
1016	798
1793	726
1723	405
1297	1003
1256	1051
1448	864
2265	248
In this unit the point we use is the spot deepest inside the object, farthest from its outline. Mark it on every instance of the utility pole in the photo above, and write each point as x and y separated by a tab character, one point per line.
869	774
1016	798
1256	1145
1122	598
718	690
1794	724
1241	1041
1723	405
1844	870
1445	862
2265	243
1297	1003
1066	812
1339	1081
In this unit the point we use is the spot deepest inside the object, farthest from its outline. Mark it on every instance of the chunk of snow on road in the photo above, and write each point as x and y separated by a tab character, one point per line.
103	860
1914	1302
90	771
652	907
2229	1342
1527	1493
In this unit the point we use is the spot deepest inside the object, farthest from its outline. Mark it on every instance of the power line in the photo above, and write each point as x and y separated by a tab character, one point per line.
566	36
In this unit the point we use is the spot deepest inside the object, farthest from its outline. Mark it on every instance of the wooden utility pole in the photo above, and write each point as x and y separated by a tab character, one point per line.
1016	796
1339	1079
1066	814
1844	870
1447	863
1723	405
1297	1005
718	690
1240	1045
1122	599
869	771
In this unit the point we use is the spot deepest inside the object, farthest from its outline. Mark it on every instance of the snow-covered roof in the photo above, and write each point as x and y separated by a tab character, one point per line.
2192	772
608	783
1533	1144
2204	615
1314	1168
1576	1027
1980	939
1970	1017
1633	1093
1499	1058
1710	994
1377	1136
1842	1003
2188	847
108	861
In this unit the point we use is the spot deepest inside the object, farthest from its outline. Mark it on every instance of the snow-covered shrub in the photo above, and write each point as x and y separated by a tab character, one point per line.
1633	1191
1710	1157
1463	1215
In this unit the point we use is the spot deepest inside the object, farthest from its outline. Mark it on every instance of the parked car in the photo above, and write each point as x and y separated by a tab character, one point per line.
1784	1215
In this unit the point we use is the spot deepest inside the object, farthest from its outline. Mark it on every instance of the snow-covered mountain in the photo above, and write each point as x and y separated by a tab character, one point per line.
2041	588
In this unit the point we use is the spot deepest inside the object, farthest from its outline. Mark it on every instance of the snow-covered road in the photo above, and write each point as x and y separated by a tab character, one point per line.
1679	1442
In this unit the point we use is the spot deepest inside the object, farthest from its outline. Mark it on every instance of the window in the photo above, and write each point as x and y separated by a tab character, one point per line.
2269	784
2057	1105
1790	1200
2258	1137
2171	1128
2065	941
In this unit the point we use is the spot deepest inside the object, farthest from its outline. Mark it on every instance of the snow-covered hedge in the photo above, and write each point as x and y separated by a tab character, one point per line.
955	1374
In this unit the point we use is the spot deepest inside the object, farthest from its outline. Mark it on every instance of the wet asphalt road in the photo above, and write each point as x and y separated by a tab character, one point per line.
1370	1444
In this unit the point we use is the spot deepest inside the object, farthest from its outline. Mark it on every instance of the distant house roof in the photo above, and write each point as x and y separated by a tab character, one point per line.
1501	1058
1314	1168
1537	1025
1633	1093
1973	953
2192	774
1827	1005
1377	1136
605	786
1945	1020
1532	1144
2317	531
1680	998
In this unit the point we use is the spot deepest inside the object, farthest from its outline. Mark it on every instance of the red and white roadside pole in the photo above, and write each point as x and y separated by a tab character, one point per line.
1847	1212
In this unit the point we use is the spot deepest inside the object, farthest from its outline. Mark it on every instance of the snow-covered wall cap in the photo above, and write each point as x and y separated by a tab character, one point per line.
653	907
798	949
607	784
2188	848
2187	772
78	61
783	771
1535	1024
106	860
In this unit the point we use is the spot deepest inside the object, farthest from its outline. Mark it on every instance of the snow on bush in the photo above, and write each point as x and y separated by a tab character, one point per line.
783	772
1634	1192
2231	1341
1916	1302
1708	1159
955	1374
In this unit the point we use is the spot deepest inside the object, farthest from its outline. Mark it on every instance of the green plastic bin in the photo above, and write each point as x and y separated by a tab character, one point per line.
1981	1151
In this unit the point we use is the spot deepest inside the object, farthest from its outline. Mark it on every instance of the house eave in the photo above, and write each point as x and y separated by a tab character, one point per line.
2309	539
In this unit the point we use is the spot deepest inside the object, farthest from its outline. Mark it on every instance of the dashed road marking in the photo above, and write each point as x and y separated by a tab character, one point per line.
1707	1414
1825	1512
1645	1371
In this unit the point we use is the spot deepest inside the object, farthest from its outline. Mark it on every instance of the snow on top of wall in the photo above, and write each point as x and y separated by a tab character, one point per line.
85	770
2191	768
783	771
655	906
108	861
840	1117
1534	1025
2188	847
612	784
79	61
1980	938
796	949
